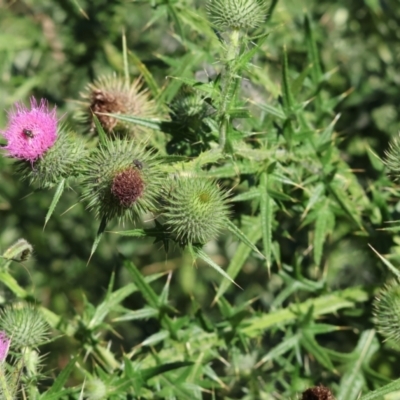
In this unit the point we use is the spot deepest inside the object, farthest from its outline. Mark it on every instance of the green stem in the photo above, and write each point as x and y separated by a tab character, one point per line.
4	386
228	81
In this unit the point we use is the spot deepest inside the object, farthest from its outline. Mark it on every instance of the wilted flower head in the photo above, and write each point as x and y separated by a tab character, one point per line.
30	132
317	393
113	95
4	346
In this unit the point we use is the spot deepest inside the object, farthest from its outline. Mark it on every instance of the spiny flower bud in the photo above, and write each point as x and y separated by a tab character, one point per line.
60	161
392	160
121	179
189	114
113	95
317	393
24	325
196	210
30	132
95	389
21	250
387	311
237	14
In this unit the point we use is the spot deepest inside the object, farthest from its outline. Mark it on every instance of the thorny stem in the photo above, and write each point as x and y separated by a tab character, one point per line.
4	386
228	80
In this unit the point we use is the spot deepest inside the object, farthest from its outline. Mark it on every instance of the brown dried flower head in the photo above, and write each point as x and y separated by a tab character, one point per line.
113	95
127	186
317	393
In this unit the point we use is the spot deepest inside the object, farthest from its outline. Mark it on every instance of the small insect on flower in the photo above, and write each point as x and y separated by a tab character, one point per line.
30	131
138	164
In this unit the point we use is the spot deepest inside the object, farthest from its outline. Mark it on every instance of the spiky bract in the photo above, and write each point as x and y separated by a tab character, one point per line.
114	95
237	14
60	161
392	160
387	311
95	389
196	210
113	165
24	325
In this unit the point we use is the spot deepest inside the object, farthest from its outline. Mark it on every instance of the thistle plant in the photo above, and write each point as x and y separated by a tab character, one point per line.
121	179
115	95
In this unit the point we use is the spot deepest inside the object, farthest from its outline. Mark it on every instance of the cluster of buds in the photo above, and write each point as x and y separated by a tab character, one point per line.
120	177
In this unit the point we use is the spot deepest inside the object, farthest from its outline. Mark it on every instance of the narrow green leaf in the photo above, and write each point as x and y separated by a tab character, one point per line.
323	226
379	393
254	234
322	305
156	338
313	51
151	123
287	96
160	369
241	236
353	379
99	235
280	349
148	293
144	313
57	387
199	253
56	198
100	131
148	77
391	267
311	345
276	112
266	213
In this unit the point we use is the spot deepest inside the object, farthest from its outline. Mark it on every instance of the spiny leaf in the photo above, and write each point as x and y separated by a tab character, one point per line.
56	198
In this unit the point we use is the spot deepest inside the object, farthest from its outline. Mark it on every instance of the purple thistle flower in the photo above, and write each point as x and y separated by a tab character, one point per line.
4	345
30	132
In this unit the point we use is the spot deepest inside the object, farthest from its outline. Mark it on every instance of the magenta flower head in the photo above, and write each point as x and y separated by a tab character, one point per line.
30	132
4	346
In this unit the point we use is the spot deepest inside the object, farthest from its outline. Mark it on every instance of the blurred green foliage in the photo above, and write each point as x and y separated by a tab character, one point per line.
311	205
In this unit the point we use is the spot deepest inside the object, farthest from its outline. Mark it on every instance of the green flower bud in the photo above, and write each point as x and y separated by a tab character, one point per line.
113	95
237	14
95	389
60	161
121	179
196	210
21	250
24	325
387	311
